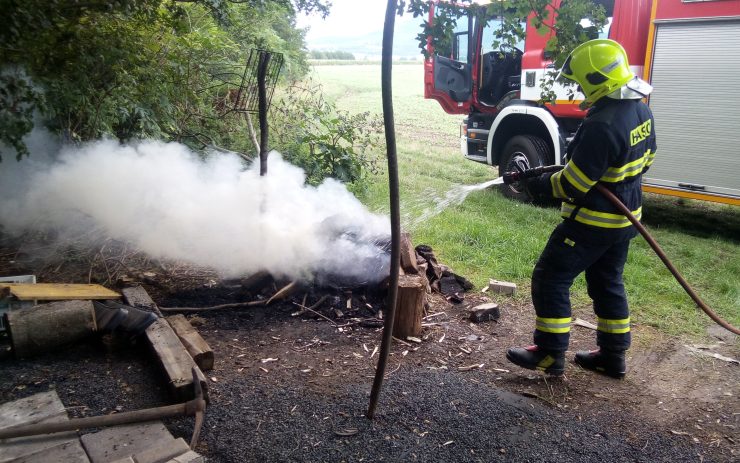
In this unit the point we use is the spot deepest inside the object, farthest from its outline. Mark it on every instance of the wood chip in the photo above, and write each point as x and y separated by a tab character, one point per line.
584	323
713	355
413	339
283	293
268	360
471	367
346	432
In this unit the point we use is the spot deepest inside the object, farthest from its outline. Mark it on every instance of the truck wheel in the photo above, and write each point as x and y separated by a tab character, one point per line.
524	151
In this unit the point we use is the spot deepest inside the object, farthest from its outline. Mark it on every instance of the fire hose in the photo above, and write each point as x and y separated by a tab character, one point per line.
390	138
511	177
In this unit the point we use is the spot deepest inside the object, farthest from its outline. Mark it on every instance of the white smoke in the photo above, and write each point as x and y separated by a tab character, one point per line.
171	204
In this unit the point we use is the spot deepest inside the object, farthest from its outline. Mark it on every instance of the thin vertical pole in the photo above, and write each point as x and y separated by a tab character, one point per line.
264	60
390	141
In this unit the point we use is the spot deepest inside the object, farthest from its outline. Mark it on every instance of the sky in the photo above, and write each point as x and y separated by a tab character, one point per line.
348	21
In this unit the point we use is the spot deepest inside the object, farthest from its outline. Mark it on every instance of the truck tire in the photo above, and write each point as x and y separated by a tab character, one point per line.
525	151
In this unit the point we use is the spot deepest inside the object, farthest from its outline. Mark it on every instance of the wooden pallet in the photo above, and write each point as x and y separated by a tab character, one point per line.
136	443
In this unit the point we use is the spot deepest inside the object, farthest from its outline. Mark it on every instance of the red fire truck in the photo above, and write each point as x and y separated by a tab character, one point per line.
689	50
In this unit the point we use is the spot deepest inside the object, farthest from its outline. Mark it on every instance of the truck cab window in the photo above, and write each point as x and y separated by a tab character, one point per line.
608	6
460	45
501	67
456	44
488	38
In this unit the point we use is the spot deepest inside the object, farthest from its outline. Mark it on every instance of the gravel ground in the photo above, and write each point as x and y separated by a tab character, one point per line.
308	404
423	416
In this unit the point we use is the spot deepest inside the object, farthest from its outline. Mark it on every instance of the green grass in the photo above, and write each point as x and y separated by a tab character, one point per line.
487	236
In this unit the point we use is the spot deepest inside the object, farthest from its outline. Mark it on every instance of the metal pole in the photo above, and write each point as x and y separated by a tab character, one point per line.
264	61
390	141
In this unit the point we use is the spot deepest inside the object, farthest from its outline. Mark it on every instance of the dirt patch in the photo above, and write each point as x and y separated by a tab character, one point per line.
293	388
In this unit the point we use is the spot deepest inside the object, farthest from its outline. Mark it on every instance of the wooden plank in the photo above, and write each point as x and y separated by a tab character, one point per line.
196	346
162	451
189	457
169	350
32	409
136	296
408	255
174	359
66	452
58	291
39	408
119	442
45	327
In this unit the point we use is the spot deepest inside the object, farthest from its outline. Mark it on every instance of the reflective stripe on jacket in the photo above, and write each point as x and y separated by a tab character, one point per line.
614	145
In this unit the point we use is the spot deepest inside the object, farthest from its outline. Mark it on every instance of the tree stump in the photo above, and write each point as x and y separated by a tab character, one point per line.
45	327
409	306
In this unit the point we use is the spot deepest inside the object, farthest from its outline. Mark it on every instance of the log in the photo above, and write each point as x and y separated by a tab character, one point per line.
46	327
174	359
408	255
409	306
197	347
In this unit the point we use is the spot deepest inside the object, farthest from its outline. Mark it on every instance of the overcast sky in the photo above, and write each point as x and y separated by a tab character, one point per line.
348	19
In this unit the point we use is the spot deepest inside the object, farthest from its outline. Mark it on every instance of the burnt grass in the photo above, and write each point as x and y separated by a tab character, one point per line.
295	388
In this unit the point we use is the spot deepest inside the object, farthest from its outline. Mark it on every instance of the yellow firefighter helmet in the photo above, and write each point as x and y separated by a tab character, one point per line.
599	66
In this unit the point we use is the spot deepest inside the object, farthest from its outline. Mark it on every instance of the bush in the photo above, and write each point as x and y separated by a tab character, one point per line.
326	142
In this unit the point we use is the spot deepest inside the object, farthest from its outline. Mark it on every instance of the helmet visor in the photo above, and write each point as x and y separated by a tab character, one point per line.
566	71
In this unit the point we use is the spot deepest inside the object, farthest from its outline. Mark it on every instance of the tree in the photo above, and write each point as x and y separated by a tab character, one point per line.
135	68
569	26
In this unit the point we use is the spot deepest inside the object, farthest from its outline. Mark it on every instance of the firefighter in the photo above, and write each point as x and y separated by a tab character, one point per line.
614	145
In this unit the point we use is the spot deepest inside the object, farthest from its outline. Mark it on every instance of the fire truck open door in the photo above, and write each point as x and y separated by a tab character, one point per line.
448	73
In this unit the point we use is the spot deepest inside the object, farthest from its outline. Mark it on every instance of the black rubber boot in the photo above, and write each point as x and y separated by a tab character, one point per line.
534	358
610	363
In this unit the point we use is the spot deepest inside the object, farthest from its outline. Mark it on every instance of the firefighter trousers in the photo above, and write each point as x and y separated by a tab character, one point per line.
562	260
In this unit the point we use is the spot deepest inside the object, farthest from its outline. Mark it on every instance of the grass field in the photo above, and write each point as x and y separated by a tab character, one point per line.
487	236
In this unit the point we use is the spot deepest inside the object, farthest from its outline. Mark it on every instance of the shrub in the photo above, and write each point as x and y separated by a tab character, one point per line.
326	142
